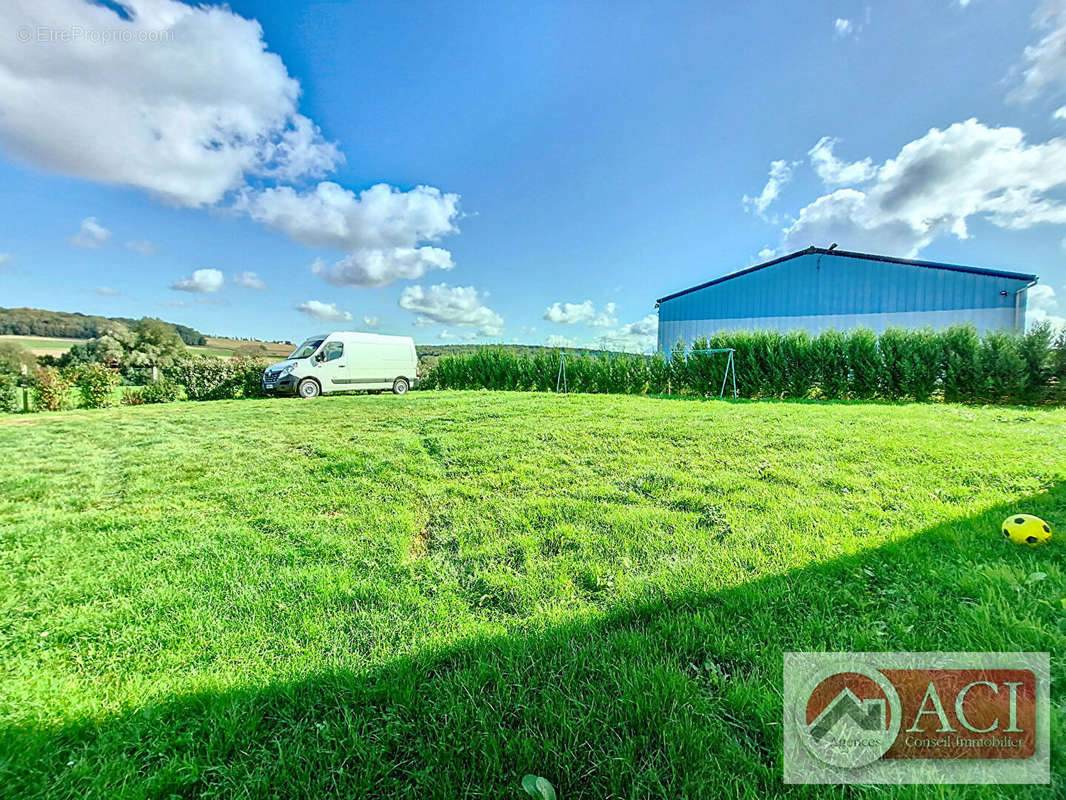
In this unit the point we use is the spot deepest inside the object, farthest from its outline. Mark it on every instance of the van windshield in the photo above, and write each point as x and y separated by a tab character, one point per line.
307	348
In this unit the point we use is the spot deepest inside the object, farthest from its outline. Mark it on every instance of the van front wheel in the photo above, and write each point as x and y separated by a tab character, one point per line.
308	388
400	386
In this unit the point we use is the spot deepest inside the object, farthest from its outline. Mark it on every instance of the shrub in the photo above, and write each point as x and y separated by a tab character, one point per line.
962	366
206	378
1035	351
802	365
898	364
96	384
10	394
864	361
52	388
163	390
921	363
658	374
1057	370
131	397
248	374
892	345
1002	368
831	357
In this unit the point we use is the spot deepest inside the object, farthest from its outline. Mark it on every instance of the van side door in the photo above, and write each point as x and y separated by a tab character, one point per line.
332	369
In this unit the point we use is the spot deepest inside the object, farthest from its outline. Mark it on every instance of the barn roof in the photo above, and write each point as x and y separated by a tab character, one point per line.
995	273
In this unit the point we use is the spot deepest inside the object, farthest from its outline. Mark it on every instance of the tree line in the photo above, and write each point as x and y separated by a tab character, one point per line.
69	325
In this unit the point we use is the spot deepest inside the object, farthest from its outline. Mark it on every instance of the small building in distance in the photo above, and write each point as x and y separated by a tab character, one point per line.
820	288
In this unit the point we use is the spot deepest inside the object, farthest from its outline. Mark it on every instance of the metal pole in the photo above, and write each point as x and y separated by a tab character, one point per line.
733	370
725	377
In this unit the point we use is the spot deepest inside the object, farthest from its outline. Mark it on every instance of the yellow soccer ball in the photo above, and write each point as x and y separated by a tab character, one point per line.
1026	529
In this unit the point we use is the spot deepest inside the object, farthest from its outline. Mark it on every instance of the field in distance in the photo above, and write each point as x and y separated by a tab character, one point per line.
216	346
430	596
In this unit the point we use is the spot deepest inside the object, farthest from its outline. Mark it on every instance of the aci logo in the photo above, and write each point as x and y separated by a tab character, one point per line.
916	718
850	718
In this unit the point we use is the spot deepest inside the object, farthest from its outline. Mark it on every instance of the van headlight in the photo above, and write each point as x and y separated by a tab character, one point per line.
285	370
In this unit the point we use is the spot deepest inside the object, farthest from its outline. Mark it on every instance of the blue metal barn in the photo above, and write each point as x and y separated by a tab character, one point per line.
816	289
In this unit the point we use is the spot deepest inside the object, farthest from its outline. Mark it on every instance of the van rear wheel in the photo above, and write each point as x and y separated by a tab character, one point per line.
400	386
308	388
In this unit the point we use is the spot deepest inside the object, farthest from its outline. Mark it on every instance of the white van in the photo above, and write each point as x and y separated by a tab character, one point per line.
343	361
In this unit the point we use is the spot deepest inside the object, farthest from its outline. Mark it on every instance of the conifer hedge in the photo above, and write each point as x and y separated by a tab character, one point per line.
956	365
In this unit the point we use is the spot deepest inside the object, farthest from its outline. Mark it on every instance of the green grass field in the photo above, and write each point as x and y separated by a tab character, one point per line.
433	595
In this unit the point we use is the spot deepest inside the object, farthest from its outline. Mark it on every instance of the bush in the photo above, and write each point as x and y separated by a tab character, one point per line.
206	378
96	384
1056	390
52	388
899	364
1002	368
248	374
864	361
921	363
10	394
798	352
163	390
131	397
962	366
831	360
1035	351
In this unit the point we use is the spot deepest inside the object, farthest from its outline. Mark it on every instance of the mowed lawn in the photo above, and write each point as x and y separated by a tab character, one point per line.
430	596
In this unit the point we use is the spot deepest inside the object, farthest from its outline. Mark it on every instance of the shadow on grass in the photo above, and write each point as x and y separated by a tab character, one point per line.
674	696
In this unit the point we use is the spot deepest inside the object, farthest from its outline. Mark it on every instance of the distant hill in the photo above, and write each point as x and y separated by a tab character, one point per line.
68	325
438	350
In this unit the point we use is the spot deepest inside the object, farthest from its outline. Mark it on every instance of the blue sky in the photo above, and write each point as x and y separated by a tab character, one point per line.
577	160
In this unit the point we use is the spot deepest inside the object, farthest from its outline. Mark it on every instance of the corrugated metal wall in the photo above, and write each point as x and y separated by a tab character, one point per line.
815	291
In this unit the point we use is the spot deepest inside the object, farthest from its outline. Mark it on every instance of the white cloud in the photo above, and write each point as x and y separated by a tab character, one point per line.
380	227
458	305
381	267
555	340
142	246
380	217
1043	64
174	304
107	291
577	313
1040	303
371	322
640	336
448	336
150	110
843	27
184	106
1060	113
6	260
327	312
780	174
249	280
934	185
202	280
835	172
91	234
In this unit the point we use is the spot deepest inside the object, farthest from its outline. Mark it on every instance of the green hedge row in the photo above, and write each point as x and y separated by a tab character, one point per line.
207	378
955	365
94	385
